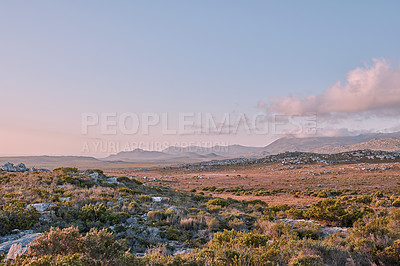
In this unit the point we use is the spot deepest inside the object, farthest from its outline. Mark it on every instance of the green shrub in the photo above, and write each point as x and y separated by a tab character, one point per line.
232	238
124	179
156	215
98	171
295	213
396	203
125	190
237	224
393	252
17	216
333	211
68	247
279	207
255	201
306	260
145	198
218	202
99	212
66	170
366	199
57	242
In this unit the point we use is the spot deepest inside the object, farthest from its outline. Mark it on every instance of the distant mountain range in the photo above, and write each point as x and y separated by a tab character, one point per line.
376	141
175	155
384	144
183	154
326	144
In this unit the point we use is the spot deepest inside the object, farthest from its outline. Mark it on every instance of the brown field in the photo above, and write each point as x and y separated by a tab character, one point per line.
274	176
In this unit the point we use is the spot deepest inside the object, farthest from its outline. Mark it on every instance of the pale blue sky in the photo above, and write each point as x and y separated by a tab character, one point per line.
61	58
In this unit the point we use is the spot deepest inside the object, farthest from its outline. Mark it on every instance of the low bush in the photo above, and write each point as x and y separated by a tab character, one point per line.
218	202
17	216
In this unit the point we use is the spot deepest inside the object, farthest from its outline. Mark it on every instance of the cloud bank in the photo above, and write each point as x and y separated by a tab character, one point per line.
372	90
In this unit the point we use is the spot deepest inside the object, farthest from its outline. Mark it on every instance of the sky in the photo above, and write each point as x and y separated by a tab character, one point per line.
77	77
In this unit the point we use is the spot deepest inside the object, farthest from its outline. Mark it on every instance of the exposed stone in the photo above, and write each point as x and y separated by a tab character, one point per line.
9	167
173	209
15	250
112	180
23	241
325	230
132	221
42	207
95	176
160	199
65	198
152	234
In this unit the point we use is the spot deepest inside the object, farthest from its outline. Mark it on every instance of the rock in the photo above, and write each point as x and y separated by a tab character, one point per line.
15	250
160	199
23	242
178	248
132	221
65	198
15	234
112	180
21	167
173	209
9	167
327	231
130	232
95	176
42	207
152	234
15	231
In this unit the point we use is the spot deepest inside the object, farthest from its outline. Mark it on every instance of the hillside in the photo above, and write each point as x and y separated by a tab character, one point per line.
185	154
139	155
315	144
307	205
387	144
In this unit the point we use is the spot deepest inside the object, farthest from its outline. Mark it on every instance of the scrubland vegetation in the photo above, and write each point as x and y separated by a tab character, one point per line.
95	220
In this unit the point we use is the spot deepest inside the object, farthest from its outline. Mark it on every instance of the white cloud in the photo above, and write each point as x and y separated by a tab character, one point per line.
372	90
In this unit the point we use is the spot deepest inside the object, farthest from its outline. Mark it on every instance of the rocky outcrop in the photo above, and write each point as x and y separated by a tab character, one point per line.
324	231
15	250
18	246
9	167
112	180
160	199
95	176
45	210
42	207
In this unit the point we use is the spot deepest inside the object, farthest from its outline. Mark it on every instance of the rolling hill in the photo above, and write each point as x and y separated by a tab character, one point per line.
318	144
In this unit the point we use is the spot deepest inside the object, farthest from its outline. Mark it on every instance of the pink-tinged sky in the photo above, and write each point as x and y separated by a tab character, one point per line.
334	65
